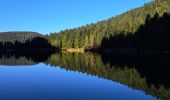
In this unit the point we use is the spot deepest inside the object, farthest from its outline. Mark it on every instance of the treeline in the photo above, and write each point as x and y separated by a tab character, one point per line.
23	41
34	44
20	36
154	35
91	36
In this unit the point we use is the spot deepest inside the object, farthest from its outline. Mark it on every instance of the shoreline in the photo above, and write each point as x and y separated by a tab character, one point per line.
103	51
73	50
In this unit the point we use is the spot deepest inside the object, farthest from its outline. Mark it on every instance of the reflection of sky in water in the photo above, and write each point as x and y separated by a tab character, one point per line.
44	82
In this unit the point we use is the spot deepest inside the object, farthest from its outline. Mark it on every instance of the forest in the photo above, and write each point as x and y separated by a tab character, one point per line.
26	41
18	36
143	28
154	35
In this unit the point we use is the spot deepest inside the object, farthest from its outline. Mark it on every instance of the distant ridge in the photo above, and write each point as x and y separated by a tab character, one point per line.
18	36
24	41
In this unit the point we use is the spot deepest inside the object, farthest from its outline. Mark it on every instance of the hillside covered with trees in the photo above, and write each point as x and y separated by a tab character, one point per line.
128	30
18	36
10	41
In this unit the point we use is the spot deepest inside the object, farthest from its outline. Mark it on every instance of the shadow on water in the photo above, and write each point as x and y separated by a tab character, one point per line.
148	73
155	67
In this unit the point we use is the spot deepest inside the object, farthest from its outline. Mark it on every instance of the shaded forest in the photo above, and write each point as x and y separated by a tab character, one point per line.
23	41
128	30
154	35
18	36
144	29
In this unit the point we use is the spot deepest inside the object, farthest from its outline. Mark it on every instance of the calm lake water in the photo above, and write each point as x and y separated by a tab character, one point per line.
75	76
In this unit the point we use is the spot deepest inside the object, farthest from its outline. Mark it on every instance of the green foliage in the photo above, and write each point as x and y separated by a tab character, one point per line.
76	44
86	42
91	36
92	42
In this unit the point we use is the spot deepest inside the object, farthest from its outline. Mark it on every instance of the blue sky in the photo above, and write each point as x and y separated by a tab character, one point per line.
45	16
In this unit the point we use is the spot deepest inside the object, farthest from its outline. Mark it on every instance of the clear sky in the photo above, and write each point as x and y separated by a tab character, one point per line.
45	16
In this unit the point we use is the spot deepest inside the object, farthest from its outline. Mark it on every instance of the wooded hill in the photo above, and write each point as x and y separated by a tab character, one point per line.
18	36
23	41
129	23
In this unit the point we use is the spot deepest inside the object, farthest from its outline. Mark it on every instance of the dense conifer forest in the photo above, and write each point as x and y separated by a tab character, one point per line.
143	28
23	41
18	36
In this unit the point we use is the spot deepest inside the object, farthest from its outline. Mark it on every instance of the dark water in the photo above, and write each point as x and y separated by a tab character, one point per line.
75	76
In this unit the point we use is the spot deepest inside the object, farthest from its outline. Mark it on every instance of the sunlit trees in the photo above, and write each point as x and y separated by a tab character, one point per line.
92	35
86	45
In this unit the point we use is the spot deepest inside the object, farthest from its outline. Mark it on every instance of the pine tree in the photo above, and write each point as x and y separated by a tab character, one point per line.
76	44
86	42
92	42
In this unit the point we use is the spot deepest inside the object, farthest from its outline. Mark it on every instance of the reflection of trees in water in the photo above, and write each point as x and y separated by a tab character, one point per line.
16	61
23	58
126	71
154	67
93	64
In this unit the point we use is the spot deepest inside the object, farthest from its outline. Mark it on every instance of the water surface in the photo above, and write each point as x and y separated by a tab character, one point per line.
74	77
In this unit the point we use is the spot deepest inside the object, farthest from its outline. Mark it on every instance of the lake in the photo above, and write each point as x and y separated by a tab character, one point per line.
83	76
